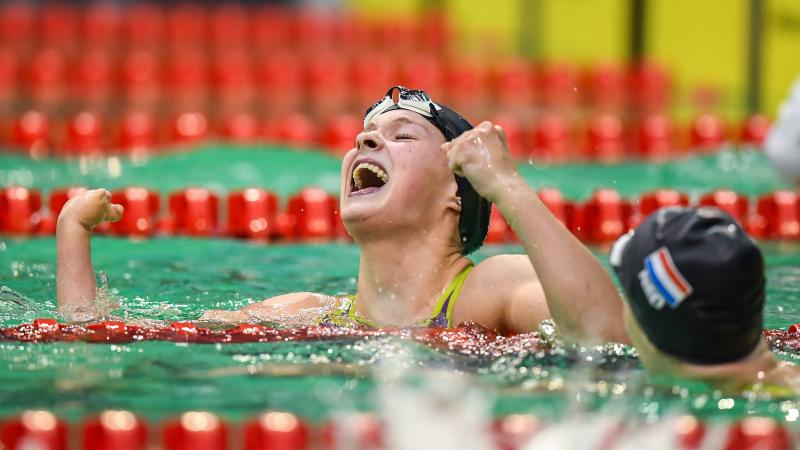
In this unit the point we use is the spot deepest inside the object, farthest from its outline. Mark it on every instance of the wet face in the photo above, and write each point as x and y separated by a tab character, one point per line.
396	177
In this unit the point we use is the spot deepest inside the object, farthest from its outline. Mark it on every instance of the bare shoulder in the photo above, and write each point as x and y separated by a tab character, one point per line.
503	271
496	289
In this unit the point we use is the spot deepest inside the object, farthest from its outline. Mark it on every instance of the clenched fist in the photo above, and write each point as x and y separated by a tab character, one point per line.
481	156
90	209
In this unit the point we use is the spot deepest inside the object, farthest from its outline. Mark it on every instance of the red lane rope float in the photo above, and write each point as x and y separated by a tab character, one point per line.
468	338
313	215
279	430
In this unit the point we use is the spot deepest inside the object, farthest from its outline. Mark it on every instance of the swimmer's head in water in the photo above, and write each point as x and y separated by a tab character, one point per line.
694	281
474	209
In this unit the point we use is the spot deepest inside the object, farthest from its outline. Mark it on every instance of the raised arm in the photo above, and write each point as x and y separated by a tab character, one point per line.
76	284
580	294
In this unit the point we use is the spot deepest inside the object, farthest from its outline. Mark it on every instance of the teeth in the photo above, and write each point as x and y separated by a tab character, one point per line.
371	167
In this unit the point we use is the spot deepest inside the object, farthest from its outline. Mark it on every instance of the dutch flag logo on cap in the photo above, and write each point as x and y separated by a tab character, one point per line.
665	279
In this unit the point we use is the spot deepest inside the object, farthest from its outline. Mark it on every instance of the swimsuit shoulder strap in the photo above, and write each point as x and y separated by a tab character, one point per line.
443	312
343	314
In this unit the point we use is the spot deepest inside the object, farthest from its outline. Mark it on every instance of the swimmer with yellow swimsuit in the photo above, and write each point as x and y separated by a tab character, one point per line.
415	196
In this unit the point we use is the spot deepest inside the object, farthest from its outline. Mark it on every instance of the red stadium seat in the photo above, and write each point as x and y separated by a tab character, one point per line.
513	83
251	213
604	217
552	139
281	82
59	24
399	34
41	428
515	135
689	432
187	76
9	76
187	25
137	131
313	29
329	82
372	74
514	431
558	85
340	133
423	71
234	80
468	82
190	128
196	431
19	210
276	431
607	86
738	206
102	24
360	431
272	28
46	77
754	433
17	23
707	133
59	197
653	201
293	130
230	26
144	25
755	130
194	211
781	215
242	128
650	202
606	138
115	430
313	213
655	137
651	86
141	207
31	133
93	79
85	133
141	79
499	231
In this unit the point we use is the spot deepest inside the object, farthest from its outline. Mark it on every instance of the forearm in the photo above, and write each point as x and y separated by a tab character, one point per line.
580	294
76	282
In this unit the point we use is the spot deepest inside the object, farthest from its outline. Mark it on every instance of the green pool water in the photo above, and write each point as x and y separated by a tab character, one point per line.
169	279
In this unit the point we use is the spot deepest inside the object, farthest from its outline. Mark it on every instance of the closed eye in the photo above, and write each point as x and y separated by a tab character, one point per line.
401	137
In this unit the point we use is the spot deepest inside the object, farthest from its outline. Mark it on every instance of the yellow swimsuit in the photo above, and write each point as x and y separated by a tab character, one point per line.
345	314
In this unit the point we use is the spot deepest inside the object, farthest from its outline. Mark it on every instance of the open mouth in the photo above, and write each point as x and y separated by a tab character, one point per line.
368	177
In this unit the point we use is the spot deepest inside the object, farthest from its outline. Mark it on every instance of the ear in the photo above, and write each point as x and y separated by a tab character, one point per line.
453	199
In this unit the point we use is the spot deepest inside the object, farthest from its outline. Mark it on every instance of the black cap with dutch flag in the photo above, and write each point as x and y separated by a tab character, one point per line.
695	281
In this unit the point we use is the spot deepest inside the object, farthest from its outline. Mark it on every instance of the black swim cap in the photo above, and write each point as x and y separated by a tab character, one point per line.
694	280
473	223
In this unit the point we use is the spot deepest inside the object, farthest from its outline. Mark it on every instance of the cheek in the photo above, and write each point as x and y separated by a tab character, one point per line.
348	159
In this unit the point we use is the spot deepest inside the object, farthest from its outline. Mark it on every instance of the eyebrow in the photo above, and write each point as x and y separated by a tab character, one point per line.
404	120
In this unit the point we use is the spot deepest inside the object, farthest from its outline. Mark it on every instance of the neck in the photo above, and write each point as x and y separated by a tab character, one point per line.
400	279
758	367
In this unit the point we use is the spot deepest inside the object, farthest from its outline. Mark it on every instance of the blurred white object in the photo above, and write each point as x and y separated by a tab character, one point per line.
783	141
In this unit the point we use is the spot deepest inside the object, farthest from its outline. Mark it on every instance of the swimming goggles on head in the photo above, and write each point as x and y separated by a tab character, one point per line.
409	99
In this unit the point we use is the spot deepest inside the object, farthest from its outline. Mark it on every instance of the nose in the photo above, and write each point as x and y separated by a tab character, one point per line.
369	140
